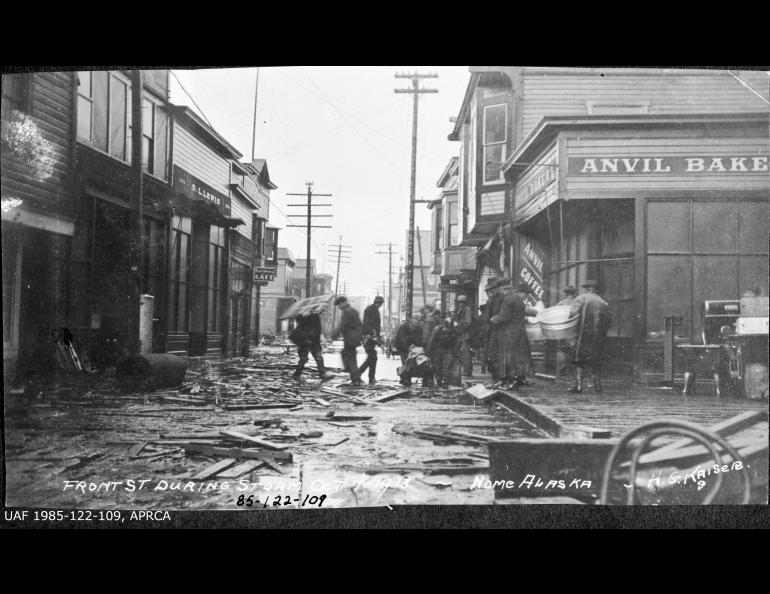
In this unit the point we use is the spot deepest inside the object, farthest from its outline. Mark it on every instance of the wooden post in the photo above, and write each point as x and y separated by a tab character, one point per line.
136	226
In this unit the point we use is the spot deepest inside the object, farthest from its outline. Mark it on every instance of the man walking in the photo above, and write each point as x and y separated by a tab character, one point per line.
514	358
371	331
595	321
307	337
350	329
462	321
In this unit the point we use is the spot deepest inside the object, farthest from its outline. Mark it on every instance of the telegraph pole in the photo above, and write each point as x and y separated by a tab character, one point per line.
339	251
415	91
309	226
422	270
390	283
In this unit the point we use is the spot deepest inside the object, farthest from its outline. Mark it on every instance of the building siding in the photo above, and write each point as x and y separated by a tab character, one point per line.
657	92
204	163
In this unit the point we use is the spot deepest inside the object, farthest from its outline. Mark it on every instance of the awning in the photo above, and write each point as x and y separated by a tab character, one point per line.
241	193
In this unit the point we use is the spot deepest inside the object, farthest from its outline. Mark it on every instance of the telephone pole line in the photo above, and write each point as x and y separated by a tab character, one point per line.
309	226
415	91
390	283
339	251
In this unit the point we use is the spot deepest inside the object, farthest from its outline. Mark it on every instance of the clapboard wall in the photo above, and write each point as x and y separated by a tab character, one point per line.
560	92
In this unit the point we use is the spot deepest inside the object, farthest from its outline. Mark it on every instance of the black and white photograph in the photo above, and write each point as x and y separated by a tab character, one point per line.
287	289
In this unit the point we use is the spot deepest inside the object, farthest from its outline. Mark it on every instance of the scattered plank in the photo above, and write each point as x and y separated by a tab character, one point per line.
343	440
341	424
215	469
241	469
348	418
259	406
243	437
134	451
208	450
390	396
480	393
321	401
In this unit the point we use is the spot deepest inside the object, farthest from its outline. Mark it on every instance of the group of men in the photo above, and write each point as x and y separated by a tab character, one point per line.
437	348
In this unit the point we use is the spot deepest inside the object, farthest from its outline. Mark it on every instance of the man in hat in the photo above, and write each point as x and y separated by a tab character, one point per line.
442	349
595	320
371	331
569	296
307	337
431	319
514	355
462	321
491	342
409	334
350	329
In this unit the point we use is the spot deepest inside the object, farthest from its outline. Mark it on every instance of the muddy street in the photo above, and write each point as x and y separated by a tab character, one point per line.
241	433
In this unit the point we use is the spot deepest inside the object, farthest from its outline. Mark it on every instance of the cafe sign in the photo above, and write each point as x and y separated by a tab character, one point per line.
264	274
678	165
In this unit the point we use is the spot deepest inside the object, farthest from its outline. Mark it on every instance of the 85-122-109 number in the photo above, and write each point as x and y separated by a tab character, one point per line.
281	500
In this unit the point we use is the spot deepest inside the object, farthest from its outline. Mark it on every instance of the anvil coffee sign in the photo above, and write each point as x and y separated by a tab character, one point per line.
695	165
532	265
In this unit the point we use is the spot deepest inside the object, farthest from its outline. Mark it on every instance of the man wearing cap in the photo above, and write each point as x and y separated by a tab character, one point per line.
595	321
350	328
491	342
514	357
371	331
462	322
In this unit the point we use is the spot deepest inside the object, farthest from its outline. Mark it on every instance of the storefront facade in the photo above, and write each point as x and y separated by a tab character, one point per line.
665	212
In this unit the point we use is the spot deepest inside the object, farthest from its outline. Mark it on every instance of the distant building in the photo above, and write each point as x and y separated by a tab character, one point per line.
423	269
279	295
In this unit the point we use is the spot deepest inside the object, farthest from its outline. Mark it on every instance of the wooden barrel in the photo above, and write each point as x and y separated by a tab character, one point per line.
151	371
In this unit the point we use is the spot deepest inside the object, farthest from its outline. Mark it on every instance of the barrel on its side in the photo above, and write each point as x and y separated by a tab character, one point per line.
151	371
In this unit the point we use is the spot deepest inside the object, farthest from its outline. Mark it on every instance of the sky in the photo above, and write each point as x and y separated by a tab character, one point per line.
344	129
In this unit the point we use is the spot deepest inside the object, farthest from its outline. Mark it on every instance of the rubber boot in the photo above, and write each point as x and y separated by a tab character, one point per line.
325	375
298	372
597	381
372	369
578	387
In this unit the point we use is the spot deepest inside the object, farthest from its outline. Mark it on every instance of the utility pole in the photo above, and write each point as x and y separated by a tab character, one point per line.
390	283
309	226
339	251
422	269
254	128
415	91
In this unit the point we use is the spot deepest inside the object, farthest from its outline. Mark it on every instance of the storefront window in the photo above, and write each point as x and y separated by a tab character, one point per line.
454	231
215	280
753	221
668	227
715	227
179	274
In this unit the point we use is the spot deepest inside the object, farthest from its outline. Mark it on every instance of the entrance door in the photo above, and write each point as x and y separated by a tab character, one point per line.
235	339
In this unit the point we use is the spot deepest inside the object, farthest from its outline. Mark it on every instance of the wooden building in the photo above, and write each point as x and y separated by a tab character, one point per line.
652	181
38	215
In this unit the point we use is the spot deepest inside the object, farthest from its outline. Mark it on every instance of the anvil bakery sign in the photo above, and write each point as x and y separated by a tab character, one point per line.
600	166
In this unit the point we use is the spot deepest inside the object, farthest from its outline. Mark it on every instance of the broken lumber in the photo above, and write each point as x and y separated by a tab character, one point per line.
321	401
243	437
390	396
241	469
480	393
207	450
258	406
215	469
134	451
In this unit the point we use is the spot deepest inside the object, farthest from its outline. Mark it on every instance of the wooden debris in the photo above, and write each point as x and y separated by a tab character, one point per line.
252	439
321	401
259	406
480	393
241	469
391	396
312	434
207	450
215	469
347	418
134	451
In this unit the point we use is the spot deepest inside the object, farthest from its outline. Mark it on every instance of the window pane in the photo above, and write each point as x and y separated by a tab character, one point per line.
668	227
452	213
148	120
493	162
668	291
494	124
148	154
182	309
101	80
753	274
454	235
714	277
184	241
715	226
117	118
84	83
754	227
84	118
159	164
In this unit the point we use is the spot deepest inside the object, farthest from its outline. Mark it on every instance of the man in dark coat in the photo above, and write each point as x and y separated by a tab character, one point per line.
371	331
595	321
443	350
307	337
431	319
492	343
514	355
462	320
409	334
350	329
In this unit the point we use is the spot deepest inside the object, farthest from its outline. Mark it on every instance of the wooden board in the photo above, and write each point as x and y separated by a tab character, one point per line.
321	401
390	396
257	406
215	469
261	442
134	451
208	450
241	469
480	393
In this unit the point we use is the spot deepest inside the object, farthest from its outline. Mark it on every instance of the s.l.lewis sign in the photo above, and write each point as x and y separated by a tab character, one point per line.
694	165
